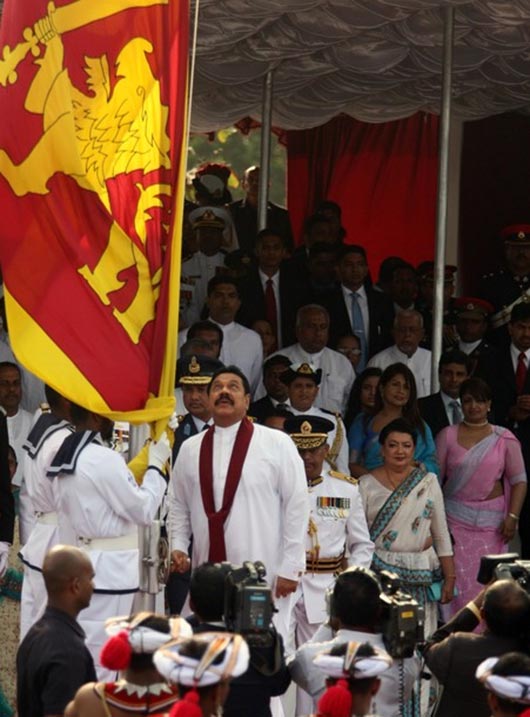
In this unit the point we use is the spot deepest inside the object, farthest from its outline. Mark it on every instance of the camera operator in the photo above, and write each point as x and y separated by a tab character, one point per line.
356	614
267	674
454	652
507	680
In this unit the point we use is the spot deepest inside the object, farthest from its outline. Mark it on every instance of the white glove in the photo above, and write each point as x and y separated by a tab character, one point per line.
4	555
159	452
173	422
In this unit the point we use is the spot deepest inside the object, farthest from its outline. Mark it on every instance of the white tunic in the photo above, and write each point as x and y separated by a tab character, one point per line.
197	271
341	461
242	347
41	496
18	427
338	529
419	363
270	511
103	500
337	375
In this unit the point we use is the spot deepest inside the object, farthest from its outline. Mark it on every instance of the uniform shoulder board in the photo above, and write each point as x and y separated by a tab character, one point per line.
180	418
252	419
335	414
44	407
343	476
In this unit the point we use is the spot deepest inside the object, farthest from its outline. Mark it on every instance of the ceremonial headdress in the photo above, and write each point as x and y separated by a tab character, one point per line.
426	271
471	307
308	431
509	687
193	370
208	218
301	370
516	234
206	659
360	660
131	635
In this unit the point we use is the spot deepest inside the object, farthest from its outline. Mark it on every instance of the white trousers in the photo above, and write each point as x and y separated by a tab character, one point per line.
33	599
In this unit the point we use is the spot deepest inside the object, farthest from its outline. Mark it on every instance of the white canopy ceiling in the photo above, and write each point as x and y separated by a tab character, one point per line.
375	60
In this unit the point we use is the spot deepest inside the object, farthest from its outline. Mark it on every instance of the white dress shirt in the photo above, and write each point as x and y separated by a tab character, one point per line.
419	363
468	347
243	348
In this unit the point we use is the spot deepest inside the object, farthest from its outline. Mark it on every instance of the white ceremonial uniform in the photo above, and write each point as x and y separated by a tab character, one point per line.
40	498
310	678
243	348
419	363
341	461
270	512
337	525
337	375
103	502
18	427
197	271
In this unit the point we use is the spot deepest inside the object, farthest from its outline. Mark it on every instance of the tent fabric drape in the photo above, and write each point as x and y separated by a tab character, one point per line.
375	60
384	176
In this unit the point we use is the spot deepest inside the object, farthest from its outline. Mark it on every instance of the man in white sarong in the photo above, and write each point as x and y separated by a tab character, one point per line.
105	506
39	499
240	489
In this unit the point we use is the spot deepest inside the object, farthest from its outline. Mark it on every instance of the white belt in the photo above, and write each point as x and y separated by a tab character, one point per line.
123	542
46	518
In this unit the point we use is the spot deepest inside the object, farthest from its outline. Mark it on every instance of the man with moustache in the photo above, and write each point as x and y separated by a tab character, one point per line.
240	489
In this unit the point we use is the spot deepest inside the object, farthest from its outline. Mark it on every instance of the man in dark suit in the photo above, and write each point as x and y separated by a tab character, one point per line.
454	652
472	319
512	399
276	396
269	291
358	309
245	214
7	507
443	408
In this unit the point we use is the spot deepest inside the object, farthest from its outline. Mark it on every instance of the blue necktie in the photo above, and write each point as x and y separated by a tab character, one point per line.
358	329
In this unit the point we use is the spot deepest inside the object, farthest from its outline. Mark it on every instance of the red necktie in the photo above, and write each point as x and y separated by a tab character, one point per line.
520	374
270	306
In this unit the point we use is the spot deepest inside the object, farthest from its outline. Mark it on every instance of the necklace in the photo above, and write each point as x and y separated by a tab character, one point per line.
475	425
393	485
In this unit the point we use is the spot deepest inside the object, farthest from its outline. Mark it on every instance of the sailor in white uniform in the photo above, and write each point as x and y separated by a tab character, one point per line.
106	506
39	498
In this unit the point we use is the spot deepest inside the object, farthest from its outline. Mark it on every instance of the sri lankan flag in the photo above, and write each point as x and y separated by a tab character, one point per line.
92	128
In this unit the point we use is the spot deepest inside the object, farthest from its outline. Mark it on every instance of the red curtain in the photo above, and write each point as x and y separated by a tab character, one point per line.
495	180
384	176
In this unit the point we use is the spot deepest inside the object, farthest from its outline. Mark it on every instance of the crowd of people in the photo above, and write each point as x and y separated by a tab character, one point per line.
308	440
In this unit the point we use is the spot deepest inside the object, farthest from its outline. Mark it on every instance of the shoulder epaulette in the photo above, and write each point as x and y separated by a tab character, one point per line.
344	477
180	419
335	414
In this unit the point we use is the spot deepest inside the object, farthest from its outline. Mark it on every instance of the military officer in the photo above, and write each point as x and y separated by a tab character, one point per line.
337	534
194	373
511	284
472	320
302	381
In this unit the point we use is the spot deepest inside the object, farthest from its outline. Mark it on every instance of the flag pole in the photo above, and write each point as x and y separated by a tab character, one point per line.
265	152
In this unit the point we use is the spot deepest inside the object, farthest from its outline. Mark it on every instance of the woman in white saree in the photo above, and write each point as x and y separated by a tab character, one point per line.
404	509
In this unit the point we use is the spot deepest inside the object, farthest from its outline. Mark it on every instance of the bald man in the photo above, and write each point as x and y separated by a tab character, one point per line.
53	660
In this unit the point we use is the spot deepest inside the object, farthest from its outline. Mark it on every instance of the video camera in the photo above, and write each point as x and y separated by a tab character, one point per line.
248	604
506	566
403	618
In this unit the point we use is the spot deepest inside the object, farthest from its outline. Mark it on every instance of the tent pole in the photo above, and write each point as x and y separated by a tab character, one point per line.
265	151
441	213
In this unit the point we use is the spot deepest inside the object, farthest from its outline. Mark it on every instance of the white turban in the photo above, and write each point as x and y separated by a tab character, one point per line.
145	640
510	687
181	669
353	665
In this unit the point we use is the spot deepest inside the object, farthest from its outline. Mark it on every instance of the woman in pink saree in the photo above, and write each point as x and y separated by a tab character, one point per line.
484	485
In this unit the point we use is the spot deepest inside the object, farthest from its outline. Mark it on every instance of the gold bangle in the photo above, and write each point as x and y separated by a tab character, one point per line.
514	516
474	609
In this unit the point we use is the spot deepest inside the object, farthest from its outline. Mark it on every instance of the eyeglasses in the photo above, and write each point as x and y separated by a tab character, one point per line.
350	352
